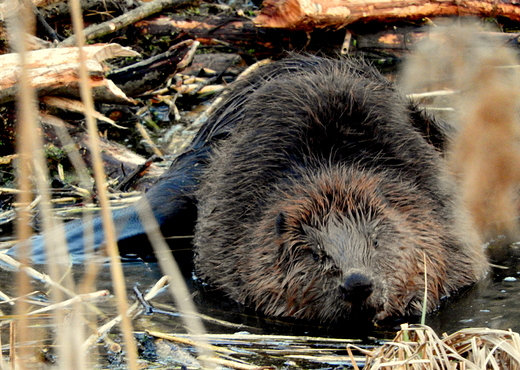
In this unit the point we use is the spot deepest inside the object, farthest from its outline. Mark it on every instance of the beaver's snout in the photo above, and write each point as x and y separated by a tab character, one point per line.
356	288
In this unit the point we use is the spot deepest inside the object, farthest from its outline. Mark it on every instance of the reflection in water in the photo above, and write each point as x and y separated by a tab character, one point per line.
492	303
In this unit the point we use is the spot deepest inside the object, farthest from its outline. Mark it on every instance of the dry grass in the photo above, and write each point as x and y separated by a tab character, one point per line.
418	347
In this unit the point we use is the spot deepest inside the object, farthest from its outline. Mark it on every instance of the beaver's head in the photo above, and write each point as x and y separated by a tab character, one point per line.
346	243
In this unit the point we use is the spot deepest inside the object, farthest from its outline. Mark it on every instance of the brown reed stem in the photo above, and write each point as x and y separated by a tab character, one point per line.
100	180
19	25
177	285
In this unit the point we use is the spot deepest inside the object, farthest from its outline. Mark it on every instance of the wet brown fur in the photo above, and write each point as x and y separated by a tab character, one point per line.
329	197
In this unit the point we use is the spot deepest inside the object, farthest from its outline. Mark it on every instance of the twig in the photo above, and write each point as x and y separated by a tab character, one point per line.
233	364
148	308
188	341
8	159
124	20
77	299
431	94
102	330
77	106
6	299
34	274
134	175
148	139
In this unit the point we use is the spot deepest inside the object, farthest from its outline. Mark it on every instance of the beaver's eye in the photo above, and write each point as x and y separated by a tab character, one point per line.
315	252
375	243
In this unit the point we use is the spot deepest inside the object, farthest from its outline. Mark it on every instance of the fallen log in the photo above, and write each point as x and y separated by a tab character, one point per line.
55	71
242	34
235	32
307	15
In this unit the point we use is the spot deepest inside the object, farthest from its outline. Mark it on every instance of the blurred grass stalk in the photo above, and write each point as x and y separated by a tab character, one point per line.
100	181
31	167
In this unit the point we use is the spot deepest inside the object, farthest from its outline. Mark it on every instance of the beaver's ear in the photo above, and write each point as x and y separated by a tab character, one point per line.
281	224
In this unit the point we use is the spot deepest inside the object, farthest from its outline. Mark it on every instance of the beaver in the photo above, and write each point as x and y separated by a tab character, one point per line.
331	199
320	193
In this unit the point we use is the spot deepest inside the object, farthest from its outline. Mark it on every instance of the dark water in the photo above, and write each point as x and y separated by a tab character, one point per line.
492	303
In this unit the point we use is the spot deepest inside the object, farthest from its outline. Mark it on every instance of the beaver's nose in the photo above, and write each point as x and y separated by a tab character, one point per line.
356	287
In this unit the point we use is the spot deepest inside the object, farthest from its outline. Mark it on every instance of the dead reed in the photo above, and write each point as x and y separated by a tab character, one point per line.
418	347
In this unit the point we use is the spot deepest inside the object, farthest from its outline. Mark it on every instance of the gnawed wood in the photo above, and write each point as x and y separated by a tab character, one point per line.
304	14
47	57
55	71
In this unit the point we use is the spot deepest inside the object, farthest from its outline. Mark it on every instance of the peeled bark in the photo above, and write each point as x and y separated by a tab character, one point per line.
305	14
